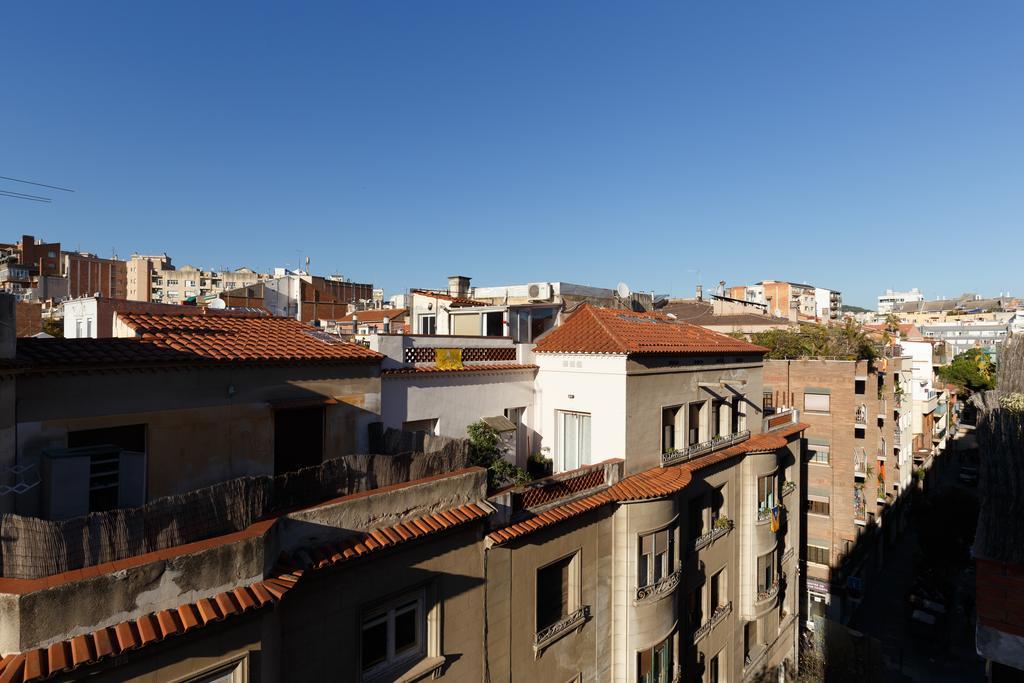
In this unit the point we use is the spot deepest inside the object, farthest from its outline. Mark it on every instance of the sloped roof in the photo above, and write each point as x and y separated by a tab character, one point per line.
242	338
456	301
119	639
608	330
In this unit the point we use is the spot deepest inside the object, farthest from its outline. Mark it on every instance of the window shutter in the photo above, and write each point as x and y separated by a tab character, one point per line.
65	484
131	486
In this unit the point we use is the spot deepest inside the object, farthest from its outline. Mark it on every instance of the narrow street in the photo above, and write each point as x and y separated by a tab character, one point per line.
913	652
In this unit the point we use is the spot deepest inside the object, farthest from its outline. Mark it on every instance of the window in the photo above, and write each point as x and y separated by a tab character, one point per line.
768	402
765	493
117	476
697	607
817	454
816	403
655	664
714	669
493	324
528	323
393	634
231	673
574	435
818	554
739	414
558	591
718	587
765	572
818	505
718	504
190	283
428	324
656	557
172	282
671	428
859	386
693	421
428	426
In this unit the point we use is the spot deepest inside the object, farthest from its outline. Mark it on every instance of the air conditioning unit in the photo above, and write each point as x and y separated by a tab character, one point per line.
538	291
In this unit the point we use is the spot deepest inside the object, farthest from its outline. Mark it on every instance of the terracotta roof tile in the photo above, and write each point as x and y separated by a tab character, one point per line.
193	338
608	330
88	649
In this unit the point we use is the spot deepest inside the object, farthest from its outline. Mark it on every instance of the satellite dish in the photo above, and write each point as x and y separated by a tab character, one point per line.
623	290
217	304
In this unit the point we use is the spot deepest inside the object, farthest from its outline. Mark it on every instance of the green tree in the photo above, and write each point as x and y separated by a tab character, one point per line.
485	451
970	371
848	341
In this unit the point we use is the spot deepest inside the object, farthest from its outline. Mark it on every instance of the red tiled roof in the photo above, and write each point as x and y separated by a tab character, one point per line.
376	315
455	300
434	370
657	482
608	330
243	339
113	641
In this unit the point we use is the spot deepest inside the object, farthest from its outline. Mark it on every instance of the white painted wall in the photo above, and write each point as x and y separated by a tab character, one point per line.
597	385
456	399
80	317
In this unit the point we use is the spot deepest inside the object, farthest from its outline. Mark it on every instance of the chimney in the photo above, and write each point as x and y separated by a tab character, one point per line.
458	286
387	325
700	292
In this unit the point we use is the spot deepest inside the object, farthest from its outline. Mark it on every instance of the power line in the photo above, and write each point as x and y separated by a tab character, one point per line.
30	197
31	182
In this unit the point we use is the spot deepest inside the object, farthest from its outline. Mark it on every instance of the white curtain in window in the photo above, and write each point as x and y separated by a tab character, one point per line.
575	428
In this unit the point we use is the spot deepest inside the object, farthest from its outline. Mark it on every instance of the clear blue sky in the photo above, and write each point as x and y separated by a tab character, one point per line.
853	145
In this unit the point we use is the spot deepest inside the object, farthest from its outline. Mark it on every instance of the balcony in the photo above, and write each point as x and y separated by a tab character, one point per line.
860	416
780	419
722	526
716	617
659	589
769	592
568	623
860	463
675	457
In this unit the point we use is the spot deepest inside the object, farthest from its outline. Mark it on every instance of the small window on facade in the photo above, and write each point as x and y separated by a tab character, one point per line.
818	506
428	324
393	634
765	571
816	403
718	591
557	593
654	665
817	554
817	454
656	557
714	669
768	402
574	439
859	386
765	493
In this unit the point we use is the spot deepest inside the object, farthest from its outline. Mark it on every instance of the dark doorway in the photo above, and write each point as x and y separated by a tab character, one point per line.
298	438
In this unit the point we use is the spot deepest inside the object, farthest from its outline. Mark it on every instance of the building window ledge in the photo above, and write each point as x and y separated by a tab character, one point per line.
561	628
656	591
429	666
717	616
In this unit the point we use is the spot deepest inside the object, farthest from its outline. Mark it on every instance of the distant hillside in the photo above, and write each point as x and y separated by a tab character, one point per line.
856	309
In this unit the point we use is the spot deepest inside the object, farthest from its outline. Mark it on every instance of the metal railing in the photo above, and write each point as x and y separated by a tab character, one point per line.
550	634
769	592
720	613
660	588
674	457
713	534
788	487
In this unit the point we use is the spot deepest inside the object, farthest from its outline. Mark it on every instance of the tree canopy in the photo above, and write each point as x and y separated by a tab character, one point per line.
848	341
970	371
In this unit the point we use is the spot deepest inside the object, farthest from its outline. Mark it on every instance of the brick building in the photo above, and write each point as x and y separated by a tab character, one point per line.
858	465
89	275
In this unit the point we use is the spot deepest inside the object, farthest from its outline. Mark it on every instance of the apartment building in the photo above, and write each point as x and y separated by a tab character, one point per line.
891	300
522	312
155	278
683	569
307	298
859	416
177	402
792	300
89	275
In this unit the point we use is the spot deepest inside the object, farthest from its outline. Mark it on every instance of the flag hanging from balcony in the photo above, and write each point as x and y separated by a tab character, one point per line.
775	518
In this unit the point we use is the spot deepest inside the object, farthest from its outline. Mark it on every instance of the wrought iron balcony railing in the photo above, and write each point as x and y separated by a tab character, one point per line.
720	528
674	457
720	613
660	588
550	634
